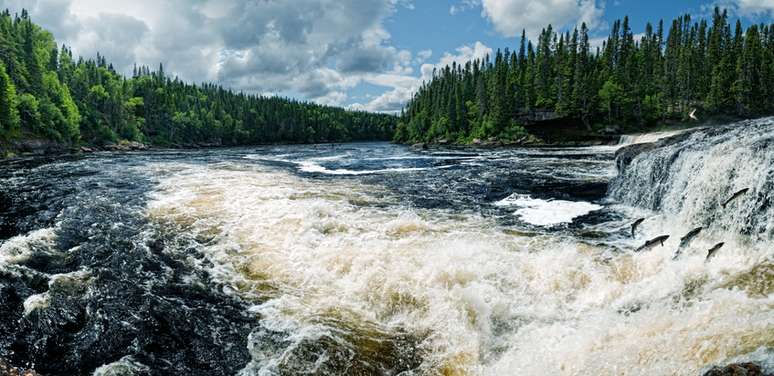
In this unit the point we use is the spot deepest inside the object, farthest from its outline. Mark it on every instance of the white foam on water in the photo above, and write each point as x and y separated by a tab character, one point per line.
312	166
126	366
478	300
547	212
37	301
19	248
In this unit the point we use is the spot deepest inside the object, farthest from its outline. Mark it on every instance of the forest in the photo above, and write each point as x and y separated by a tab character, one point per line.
46	93
631	83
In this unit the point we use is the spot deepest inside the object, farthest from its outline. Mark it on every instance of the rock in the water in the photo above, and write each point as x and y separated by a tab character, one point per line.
740	369
625	155
126	146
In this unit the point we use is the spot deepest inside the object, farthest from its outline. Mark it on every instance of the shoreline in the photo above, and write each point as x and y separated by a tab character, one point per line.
44	148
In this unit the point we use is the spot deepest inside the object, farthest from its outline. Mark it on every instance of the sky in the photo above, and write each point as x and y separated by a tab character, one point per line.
361	54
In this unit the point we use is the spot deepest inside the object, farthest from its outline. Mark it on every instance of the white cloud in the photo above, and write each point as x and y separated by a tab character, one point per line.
756	7
464	54
463	6
403	87
424	55
510	17
756	10
315	49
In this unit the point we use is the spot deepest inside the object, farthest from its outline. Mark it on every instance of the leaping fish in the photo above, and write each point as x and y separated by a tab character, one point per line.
692	115
636	224
686	240
652	243
735	196
714	249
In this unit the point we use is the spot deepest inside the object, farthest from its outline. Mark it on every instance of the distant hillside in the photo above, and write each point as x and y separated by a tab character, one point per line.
48	96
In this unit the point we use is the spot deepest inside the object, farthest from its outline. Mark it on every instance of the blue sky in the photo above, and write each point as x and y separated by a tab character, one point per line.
363	54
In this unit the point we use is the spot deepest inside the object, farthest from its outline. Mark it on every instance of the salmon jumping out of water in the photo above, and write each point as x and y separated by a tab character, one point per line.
652	243
635	224
686	240
735	196
714	249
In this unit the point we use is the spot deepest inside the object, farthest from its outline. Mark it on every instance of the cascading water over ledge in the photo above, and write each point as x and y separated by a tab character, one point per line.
687	179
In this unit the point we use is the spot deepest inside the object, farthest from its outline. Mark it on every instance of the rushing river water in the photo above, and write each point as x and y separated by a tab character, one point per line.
365	259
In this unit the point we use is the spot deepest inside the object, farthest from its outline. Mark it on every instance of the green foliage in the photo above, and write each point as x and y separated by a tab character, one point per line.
29	112
632	82
9	114
610	96
46	93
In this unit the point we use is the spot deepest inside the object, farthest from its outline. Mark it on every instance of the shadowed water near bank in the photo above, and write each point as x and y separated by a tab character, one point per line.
377	259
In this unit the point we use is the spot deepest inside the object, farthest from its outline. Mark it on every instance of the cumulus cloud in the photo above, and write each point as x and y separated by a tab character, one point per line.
463	54
315	50
509	17
312	48
403	87
756	7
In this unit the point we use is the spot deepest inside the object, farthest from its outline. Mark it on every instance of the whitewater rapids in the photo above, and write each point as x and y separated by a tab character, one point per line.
477	299
348	269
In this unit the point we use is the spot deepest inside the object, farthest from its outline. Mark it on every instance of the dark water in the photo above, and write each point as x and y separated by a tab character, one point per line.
90	276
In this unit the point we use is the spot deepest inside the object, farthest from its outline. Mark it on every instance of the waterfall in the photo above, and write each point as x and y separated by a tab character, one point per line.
630	139
687	179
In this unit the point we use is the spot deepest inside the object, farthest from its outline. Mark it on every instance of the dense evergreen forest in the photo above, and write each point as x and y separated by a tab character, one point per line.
631	83
46	94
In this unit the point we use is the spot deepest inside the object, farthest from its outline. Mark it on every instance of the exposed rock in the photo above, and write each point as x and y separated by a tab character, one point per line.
210	144
625	155
740	369
476	141
536	116
613	129
39	147
419	145
86	149
126	146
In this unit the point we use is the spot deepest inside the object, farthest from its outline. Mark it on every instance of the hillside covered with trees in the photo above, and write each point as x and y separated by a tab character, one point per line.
48	94
631	83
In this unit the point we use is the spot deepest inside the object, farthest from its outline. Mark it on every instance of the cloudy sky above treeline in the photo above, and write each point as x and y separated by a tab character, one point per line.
364	54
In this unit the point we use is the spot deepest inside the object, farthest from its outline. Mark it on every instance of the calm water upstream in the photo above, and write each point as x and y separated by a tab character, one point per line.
365	259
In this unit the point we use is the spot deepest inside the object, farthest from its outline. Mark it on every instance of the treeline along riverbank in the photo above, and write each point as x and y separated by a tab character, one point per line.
563	88
53	101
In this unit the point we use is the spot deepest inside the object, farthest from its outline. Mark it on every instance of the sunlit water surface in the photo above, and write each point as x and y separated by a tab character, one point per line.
380	259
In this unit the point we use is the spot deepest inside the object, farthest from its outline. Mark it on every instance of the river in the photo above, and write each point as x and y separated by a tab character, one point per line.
376	258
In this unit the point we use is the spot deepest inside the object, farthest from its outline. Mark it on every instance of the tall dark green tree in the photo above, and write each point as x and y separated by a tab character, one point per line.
627	83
